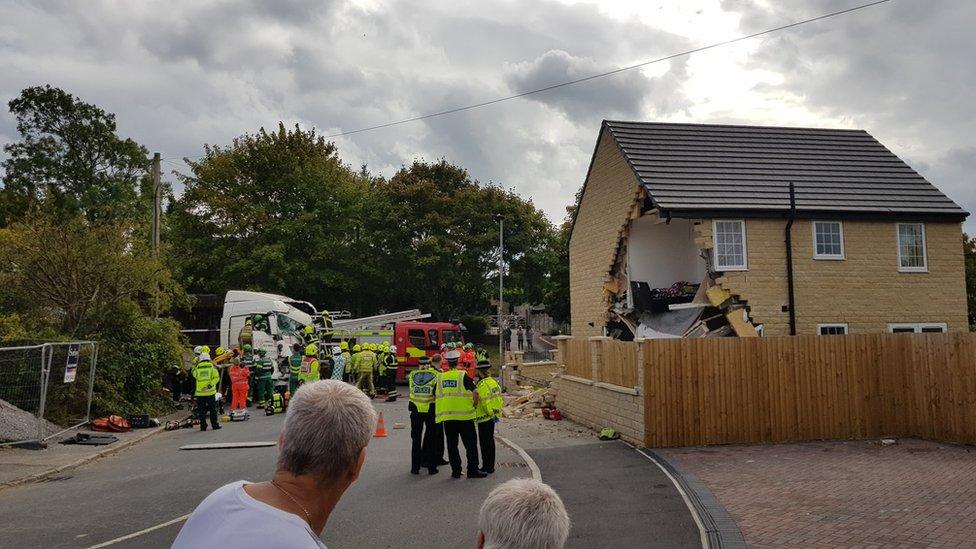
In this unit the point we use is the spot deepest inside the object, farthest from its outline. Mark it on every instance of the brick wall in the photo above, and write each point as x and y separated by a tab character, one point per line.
865	290
611	196
598	405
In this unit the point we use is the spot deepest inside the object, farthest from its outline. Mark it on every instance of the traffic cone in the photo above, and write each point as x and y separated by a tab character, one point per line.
380	427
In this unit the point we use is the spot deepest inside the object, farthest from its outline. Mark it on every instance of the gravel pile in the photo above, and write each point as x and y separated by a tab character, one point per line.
16	424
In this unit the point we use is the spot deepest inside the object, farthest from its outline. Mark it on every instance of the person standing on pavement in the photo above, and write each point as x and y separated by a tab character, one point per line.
263	369
455	402
346	361
338	363
422	383
487	413
364	364
309	370
238	384
390	361
207	377
294	367
322	449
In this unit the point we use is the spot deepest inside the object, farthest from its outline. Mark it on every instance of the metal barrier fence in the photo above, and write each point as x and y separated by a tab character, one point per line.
45	389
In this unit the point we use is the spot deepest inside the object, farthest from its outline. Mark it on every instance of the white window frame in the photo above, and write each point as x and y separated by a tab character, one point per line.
917	326
832	257
924	268
745	252
832	325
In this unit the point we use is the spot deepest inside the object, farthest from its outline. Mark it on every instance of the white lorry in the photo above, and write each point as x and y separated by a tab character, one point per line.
286	317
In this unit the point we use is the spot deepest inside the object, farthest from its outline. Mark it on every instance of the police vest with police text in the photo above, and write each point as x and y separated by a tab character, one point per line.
453	400
422	384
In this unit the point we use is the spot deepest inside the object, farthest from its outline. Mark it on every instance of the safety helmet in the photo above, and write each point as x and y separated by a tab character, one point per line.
247	347
356	348
344	346
204	357
220	351
336	351
469	345
247	322
308	330
205	349
310	349
392	349
256	318
197	350
483	365
324	312
452	356
262	351
370	346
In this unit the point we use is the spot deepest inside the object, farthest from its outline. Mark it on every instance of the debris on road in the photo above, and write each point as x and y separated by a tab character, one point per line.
526	402
228	445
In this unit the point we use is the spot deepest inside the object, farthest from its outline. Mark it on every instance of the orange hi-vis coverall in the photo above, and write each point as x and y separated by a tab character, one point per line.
238	386
469	361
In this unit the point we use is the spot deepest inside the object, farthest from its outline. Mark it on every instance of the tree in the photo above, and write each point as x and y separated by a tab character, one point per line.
274	211
969	255
70	159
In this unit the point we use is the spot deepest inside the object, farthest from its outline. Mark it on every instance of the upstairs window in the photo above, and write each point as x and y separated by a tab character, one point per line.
911	247
729	243
828	240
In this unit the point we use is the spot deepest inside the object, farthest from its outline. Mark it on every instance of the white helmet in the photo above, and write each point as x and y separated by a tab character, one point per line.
393	349
196	350
336	351
204	357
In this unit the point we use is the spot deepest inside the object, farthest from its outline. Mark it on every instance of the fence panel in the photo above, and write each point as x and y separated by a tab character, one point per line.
21	390
619	364
731	390
578	358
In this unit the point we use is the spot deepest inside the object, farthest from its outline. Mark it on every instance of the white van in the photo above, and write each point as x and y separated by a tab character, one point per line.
287	318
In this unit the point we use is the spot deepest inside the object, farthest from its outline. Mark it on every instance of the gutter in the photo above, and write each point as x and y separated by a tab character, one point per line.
789	261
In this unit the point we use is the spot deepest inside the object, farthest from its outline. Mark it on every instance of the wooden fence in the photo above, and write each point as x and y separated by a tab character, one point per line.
749	390
777	389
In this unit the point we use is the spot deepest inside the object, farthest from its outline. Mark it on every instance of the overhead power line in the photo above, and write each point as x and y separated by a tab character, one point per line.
610	73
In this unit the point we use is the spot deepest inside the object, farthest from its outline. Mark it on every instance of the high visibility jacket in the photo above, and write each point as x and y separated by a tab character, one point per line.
452	400
422	385
309	369
207	377
295	364
365	361
238	374
389	362
490	402
381	362
348	361
264	367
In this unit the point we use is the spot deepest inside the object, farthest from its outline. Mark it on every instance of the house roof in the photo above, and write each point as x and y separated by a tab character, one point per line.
703	170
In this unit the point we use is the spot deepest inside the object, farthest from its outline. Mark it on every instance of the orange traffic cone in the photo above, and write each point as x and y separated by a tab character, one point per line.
380	427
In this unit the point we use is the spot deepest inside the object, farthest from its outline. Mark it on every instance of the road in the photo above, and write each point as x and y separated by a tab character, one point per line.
155	482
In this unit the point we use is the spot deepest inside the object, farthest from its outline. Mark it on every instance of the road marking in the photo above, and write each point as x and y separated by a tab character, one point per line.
140	532
684	496
536	473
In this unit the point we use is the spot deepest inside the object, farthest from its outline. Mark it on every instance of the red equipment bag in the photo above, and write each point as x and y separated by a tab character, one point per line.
111	424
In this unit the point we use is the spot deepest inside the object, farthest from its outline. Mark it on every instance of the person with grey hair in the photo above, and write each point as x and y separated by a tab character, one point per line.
523	514
322	448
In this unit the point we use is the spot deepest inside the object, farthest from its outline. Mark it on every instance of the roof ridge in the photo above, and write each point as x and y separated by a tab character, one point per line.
749	126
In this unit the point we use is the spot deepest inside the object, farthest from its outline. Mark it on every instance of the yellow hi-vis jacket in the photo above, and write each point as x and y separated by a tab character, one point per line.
207	377
453	402
422	385
490	402
348	357
365	361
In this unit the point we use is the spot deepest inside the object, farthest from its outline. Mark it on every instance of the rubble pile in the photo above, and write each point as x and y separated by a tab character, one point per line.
528	402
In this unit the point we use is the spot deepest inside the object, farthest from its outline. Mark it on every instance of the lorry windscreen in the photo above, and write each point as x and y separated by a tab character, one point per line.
451	336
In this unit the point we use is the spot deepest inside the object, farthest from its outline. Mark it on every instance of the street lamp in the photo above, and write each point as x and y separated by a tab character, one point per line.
501	288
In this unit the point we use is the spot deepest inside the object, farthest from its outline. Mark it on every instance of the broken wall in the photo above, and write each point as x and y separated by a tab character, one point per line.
865	290
661	253
611	197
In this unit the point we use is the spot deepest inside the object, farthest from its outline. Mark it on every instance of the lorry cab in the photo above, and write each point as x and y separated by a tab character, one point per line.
286	319
417	339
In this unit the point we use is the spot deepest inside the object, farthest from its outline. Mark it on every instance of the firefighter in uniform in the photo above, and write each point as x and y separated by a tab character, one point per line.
364	363
388	371
455	402
347	361
487	412
423	428
264	369
206	376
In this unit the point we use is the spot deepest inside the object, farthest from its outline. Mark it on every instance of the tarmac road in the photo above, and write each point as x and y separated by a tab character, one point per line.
155	482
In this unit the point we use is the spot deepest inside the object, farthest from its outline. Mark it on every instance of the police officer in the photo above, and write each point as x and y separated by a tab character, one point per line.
487	412
455	401
206	376
423	428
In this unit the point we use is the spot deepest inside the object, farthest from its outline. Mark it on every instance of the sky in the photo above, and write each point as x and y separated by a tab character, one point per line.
179	74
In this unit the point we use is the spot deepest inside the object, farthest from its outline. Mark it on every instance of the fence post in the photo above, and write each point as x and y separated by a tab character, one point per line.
91	380
640	365
596	355
561	342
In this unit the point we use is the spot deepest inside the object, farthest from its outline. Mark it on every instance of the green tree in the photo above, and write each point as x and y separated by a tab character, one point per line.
70	159
274	211
969	255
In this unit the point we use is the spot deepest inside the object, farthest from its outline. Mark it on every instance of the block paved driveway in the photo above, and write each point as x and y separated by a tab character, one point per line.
843	494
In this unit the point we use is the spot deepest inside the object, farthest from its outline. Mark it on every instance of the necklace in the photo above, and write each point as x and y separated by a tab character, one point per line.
308	516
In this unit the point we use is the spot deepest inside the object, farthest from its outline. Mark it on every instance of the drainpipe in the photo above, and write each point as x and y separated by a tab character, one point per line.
789	260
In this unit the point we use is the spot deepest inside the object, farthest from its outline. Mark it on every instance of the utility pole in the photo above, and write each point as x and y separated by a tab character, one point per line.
501	288
157	204
157	214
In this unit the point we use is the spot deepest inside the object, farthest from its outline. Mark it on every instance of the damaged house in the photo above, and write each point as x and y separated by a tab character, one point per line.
691	230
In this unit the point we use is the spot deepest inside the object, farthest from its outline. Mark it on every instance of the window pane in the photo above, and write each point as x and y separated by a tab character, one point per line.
729	244
827	238
911	245
417	339
932	330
